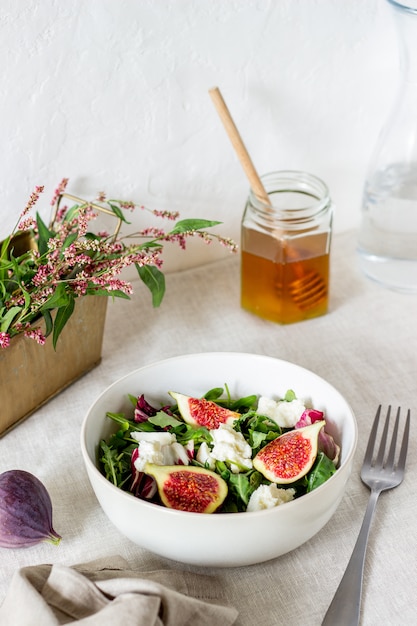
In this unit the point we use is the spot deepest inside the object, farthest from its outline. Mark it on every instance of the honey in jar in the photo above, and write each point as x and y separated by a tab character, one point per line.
285	249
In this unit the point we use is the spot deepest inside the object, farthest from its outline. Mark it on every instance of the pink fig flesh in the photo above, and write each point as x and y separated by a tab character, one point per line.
188	488
290	456
202	412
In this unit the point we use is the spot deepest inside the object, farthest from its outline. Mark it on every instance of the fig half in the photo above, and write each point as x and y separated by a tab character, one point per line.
202	412
290	456
186	488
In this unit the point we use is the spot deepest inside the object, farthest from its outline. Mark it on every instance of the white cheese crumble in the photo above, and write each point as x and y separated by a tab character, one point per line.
158	448
268	497
204	456
161	438
228	445
285	414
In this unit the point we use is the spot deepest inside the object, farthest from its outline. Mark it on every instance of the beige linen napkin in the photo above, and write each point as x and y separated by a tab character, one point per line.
108	593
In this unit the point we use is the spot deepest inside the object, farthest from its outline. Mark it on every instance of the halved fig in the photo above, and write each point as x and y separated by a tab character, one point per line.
290	456
188	488
202	412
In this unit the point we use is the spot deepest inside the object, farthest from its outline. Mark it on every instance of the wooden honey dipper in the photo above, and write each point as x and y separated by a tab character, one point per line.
308	289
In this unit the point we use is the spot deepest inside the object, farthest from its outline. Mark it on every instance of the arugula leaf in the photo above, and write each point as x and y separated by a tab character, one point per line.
133	399
241	405
130	425
245	404
258	430
257	439
322	469
163	420
213	394
239	483
290	396
115	460
185	433
241	487
110	461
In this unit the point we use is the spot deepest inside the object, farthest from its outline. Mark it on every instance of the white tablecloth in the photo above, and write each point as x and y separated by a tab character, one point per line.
366	346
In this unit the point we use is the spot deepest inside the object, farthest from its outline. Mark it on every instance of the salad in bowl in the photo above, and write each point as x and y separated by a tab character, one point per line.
219	459
218	454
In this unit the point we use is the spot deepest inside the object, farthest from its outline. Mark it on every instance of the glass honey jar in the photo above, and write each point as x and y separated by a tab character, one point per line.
285	248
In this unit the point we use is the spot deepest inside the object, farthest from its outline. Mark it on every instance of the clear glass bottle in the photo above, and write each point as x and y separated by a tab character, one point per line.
387	242
285	248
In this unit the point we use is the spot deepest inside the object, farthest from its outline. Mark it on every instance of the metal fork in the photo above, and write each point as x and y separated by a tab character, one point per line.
379	474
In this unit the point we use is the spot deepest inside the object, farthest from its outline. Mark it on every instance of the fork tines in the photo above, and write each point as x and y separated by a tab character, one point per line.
382	459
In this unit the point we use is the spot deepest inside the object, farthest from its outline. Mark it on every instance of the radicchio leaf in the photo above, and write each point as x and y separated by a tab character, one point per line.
326	443
144	410
143	486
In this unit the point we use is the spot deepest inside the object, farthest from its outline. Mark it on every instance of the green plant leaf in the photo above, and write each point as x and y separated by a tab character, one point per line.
69	240
4	258
26	296
71	213
5	247
44	234
192	224
60	298
62	316
290	396
163	420
49	324
146	245
154	279
214	394
133	399
115	293
7	318
118	212
109	459
322	469
240	484
5	264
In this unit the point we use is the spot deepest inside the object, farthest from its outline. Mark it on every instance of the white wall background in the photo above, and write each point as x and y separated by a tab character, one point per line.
114	95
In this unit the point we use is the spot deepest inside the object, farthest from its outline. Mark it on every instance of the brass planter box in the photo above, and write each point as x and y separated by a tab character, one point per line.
31	374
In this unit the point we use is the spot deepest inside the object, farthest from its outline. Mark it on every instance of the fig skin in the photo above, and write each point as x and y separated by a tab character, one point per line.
290	456
201	412
203	490
25	511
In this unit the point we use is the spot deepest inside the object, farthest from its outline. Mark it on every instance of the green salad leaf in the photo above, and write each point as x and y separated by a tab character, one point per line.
321	471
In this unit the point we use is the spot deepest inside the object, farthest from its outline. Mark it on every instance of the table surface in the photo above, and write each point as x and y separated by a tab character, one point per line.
366	346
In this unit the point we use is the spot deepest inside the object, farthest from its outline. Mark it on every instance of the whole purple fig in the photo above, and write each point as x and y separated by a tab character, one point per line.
25	511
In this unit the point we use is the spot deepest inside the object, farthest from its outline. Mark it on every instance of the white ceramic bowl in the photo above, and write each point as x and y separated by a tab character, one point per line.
230	539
